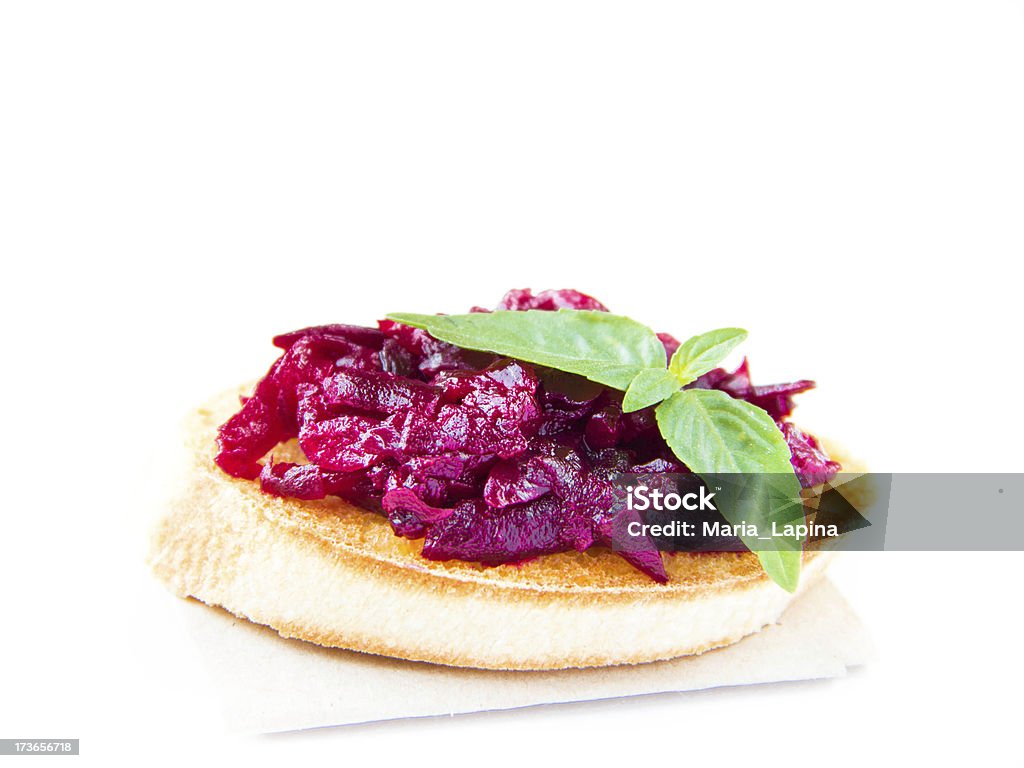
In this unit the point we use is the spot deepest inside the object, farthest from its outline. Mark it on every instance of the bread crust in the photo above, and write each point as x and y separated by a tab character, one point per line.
333	574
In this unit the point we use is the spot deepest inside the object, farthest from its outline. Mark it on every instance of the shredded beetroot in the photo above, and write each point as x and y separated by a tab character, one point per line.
810	461
299	481
549	300
487	459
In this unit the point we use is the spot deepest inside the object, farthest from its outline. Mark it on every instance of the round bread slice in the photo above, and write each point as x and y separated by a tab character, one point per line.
333	574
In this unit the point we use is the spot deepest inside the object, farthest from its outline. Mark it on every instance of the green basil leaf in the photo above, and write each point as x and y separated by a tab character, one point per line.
782	566
715	434
606	348
712	432
698	355
650	386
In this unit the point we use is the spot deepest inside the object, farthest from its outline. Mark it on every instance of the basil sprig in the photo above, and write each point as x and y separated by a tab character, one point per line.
714	435
711	432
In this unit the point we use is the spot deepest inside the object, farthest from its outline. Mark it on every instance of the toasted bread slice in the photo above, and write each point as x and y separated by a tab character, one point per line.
333	574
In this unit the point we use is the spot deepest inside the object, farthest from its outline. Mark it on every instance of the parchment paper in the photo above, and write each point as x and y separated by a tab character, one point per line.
270	684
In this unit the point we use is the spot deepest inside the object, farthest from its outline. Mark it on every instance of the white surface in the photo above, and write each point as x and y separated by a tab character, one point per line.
180	181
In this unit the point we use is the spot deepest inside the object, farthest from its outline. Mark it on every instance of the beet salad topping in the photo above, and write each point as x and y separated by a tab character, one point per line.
488	459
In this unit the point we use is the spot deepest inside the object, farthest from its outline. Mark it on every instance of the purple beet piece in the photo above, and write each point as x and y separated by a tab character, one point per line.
338	443
736	383
776	399
604	427
443	480
379	392
555	468
397	360
648	561
371	338
332	439
355	487
565	400
813	466
346	346
410	516
491	412
516	482
432	356
639	551
639	426
403	498
388	440
476	532
670	342
660	465
562	467
608	462
307	361
523	299
246	437
269	416
298	481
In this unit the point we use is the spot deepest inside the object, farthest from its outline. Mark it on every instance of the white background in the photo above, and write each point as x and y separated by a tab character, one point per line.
180	181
